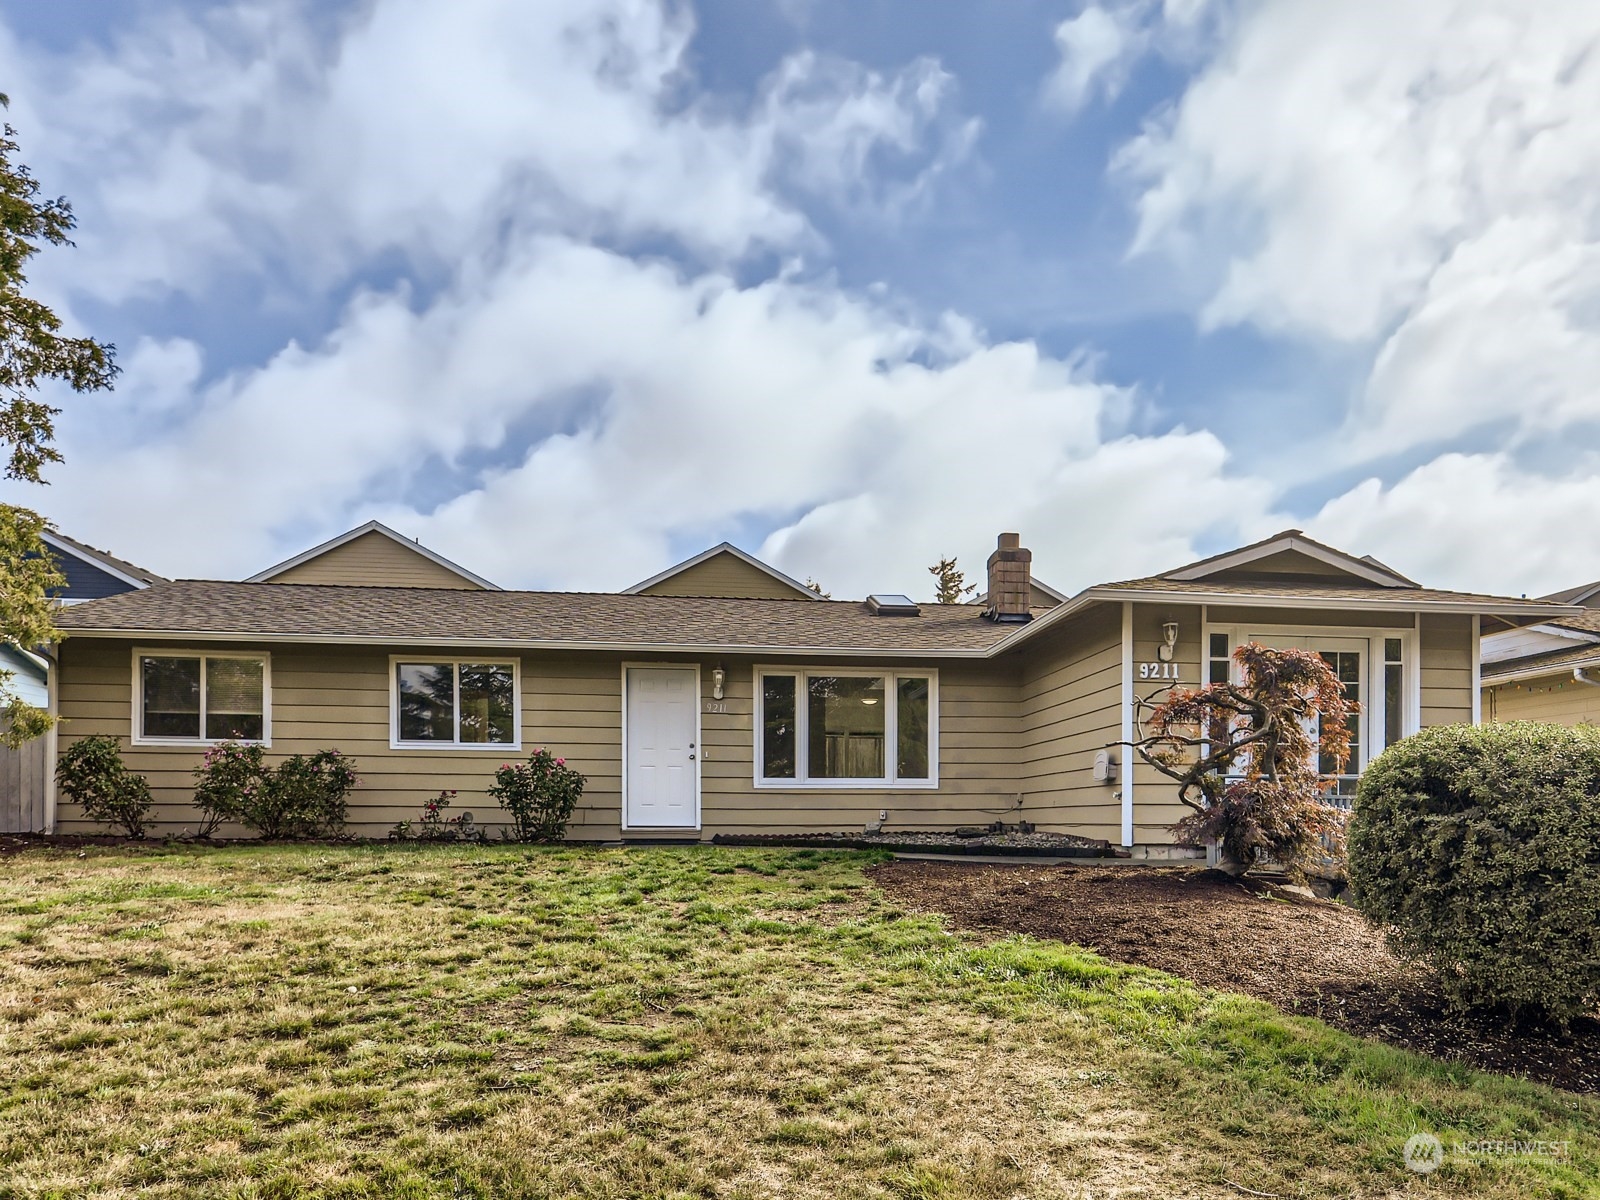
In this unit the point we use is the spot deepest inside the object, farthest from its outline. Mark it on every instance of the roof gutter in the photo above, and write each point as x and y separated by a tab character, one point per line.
1095	595
1538	671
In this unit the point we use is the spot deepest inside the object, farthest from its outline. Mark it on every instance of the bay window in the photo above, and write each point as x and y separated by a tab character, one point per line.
454	703
200	696
846	728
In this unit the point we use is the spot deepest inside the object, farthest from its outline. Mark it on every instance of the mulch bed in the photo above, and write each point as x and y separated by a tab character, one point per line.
1311	957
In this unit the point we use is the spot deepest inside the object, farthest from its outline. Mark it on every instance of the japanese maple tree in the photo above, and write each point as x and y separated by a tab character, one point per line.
1255	760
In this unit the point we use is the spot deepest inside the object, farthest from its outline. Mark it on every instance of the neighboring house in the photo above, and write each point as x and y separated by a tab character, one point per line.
30	675
1549	671
723	697
93	574
90	574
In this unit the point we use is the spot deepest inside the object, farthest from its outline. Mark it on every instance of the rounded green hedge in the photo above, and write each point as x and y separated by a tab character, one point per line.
1477	850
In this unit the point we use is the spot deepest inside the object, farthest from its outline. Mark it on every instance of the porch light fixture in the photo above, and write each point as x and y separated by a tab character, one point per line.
1169	641
718	678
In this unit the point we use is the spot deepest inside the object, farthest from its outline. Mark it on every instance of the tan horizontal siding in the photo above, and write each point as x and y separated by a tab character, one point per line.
1557	699
723	575
1309	618
338	697
1070	707
1446	670
374	560
978	778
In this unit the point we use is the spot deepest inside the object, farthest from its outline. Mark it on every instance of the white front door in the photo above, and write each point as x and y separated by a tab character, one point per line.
661	787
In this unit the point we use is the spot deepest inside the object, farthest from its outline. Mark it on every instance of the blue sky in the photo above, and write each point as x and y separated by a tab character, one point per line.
571	290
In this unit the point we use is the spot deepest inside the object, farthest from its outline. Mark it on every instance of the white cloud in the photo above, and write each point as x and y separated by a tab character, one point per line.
239	141
550	405
1476	523
894	442
1097	47
1422	179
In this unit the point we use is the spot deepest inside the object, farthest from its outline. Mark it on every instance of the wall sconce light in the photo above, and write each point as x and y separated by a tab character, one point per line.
718	678
1169	641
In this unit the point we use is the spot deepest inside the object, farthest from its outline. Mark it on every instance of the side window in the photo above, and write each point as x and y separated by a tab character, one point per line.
454	703
201	697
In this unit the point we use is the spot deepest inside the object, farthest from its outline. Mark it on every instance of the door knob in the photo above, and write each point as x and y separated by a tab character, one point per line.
691	758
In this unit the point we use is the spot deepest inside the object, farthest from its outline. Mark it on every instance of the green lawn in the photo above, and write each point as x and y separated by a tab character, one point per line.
505	1021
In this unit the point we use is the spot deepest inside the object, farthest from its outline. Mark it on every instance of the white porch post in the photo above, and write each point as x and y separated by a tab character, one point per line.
1477	669
1127	723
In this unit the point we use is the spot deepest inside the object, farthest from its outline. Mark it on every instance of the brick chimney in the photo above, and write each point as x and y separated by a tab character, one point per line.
1010	580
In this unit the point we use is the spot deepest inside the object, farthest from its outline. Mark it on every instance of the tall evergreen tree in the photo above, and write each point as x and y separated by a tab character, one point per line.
951	586
32	349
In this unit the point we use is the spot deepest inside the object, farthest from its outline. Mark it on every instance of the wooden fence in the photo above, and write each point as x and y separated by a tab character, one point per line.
22	782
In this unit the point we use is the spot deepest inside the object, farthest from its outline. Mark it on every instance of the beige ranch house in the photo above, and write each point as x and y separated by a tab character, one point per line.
722	696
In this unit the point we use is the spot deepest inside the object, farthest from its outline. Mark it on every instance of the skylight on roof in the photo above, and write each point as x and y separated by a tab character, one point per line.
892	604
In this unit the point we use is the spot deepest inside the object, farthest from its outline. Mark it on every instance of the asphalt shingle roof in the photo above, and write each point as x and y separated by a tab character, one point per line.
1559	661
592	620
121	564
1331	592
580	619
1587	621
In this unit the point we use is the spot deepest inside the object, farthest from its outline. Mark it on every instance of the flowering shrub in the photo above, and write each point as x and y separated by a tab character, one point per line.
225	781
306	796
92	774
302	797
434	826
540	795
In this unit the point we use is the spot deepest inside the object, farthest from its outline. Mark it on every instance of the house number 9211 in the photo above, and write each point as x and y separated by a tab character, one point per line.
1158	670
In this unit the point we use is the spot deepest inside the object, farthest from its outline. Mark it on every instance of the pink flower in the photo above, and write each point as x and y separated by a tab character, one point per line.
561	762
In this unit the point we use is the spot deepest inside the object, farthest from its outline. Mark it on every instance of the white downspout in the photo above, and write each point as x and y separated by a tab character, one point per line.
52	680
1580	675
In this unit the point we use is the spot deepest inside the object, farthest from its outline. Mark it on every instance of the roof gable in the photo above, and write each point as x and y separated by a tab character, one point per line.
373	555
724	572
1291	556
1586	594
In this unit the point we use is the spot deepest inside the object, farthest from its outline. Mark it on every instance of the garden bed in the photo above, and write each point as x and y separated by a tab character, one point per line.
16	843
1011	844
1311	957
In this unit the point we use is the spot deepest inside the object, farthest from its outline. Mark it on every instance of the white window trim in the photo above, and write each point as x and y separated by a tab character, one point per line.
455	660
891	717
136	729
